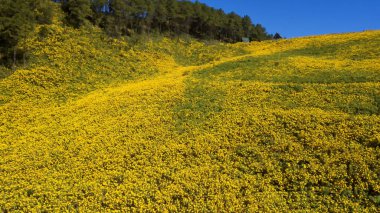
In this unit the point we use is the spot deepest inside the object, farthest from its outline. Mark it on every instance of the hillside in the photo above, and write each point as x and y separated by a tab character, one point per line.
96	124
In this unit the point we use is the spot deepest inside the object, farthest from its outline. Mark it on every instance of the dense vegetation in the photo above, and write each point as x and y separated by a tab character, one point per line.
97	124
120	18
128	17
17	20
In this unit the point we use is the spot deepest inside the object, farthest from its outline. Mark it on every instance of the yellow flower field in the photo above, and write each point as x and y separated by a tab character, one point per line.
94	124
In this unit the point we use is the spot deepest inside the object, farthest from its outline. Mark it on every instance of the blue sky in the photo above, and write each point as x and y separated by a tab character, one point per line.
295	18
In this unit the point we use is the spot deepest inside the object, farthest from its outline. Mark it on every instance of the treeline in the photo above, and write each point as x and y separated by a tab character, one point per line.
17	21
122	18
127	17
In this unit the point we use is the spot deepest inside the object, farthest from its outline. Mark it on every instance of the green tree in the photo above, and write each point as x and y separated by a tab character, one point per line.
277	36
185	17
43	11
197	26
247	26
235	31
116	22
138	11
160	15
149	15
17	20
259	33
126	17
77	12
99	8
221	23
172	15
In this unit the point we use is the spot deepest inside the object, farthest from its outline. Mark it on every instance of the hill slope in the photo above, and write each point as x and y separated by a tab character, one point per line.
96	124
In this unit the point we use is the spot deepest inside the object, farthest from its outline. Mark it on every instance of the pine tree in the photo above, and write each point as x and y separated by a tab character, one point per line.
17	20
138	12
277	36
172	15
149	14
185	17
117	21
160	15
197	26
100	8
127	17
247	26
221	25
259	33
43	11
78	12
234	25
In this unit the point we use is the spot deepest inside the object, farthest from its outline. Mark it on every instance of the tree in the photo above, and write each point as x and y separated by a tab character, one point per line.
78	11
127	17
172	15
43	11
149	15
247	26
235	31
277	36
185	16
259	33
100	8
138	12
198	21
115	21
16	22
160	15
221	25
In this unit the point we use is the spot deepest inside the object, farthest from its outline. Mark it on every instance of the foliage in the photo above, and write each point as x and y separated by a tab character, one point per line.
127	17
17	20
78	11
277	36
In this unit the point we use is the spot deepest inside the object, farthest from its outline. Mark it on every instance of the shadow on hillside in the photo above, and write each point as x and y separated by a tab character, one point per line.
329	89
278	69
5	72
